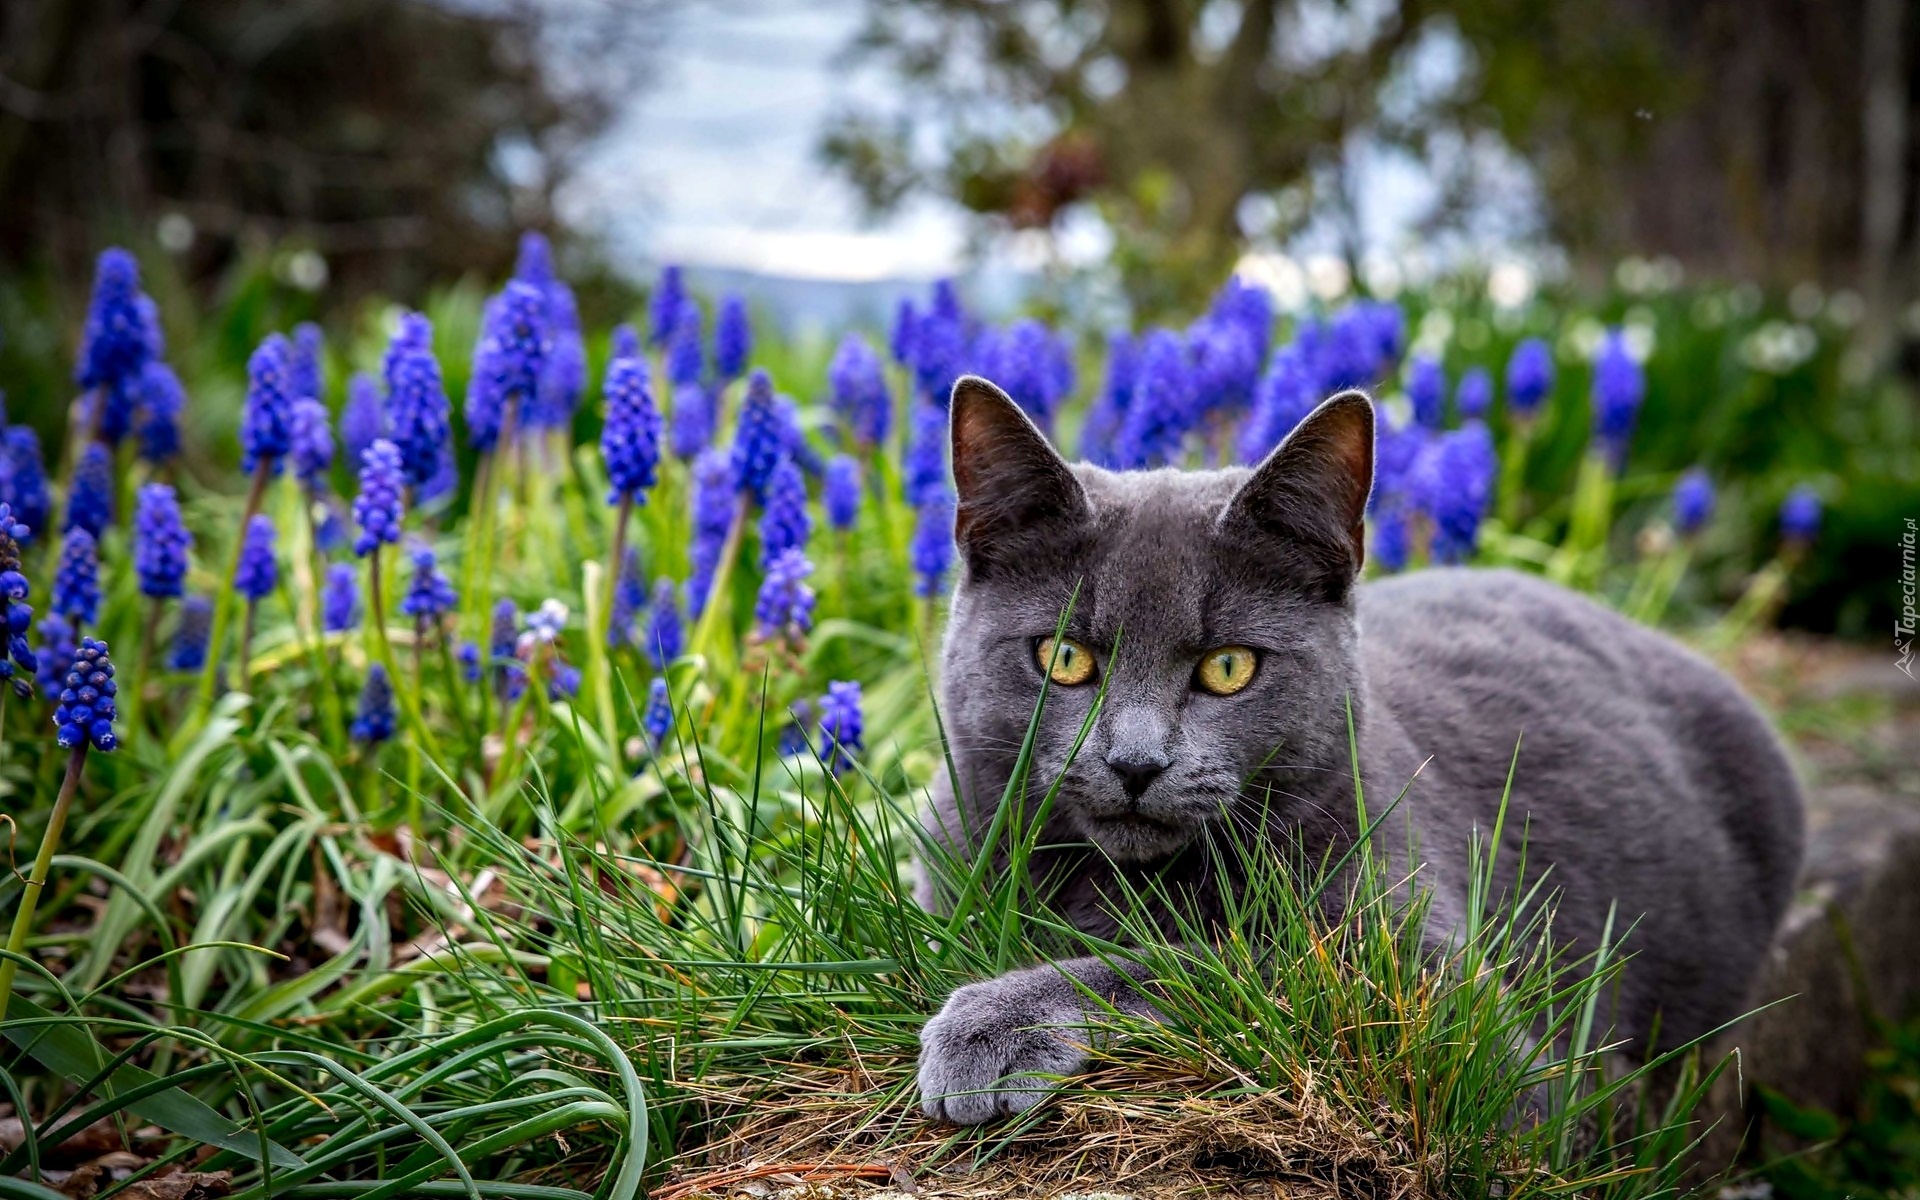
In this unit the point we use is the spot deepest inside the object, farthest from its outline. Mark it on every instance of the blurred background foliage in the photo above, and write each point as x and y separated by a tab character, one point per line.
1740	176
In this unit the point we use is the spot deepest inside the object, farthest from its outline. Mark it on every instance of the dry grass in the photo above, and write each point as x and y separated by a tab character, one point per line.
1149	1129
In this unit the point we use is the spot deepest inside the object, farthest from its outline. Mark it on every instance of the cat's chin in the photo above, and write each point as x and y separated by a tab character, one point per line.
1134	837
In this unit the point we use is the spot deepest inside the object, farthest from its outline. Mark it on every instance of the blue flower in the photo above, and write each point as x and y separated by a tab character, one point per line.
906	324
195	632
939	346
305	381
1162	406
503	636
624	342
840	491
858	383
784	523
1391	542
57	647
266	420
1619	385
1109	410
686	359
377	509
162	400
1427	391
1032	366
1692	502
712	499
1223	366
508	362
312	442
161	542
760	440
1474	394
665	638
1800	516
17	613
417	400
732	338
931	550
629	597
1388	327
87	709
1285	397
468	656
1248	307
1529	377
630	438
785	604
563	679
25	479
431	593
375	721
76	579
658	719
841	728
669	299
90	503
340	598
122	331
1396	449
926	456
692	421
798	733
1451	483
793	437
563	370
258	571
363	421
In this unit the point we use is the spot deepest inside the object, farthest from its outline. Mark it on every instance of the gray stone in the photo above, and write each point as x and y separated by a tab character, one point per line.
1848	953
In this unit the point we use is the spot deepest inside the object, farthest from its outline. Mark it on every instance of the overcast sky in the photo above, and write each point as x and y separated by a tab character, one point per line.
715	164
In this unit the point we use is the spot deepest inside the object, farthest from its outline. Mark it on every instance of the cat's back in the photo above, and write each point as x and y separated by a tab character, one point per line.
1644	776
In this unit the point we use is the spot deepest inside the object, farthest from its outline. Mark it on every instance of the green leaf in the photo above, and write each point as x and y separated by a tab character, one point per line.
73	1053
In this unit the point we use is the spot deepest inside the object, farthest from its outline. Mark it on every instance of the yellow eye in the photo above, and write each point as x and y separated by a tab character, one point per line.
1072	666
1226	670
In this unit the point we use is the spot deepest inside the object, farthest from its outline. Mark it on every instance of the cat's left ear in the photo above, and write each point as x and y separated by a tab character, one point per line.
1013	486
1312	491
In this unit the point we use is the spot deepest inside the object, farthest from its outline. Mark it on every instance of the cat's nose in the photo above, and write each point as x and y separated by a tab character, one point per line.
1137	769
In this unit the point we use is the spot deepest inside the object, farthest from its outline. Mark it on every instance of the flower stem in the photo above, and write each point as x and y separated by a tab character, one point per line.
42	866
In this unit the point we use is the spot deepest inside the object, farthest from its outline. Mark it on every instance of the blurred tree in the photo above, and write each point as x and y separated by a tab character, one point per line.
398	139
1767	139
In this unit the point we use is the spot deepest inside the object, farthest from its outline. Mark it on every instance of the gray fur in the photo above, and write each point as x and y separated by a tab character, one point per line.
1645	778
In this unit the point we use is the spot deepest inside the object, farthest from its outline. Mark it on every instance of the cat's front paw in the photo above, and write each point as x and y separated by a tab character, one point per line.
996	1048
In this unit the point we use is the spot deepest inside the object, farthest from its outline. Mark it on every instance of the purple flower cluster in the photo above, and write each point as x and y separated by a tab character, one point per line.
665	636
375	721
161	543
931	550
630	438
712	499
76	580
857	382
90	499
784	608
1529	377
417	405
340	598
431	593
784	523
760	441
1692	502
840	491
732	339
87	709
266	419
508	362
257	573
842	729
1619	386
378	509
15	610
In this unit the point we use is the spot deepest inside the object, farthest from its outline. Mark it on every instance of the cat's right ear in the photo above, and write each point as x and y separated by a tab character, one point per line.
1014	488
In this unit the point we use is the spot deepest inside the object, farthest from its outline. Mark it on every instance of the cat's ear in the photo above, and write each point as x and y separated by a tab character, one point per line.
1311	492
1012	484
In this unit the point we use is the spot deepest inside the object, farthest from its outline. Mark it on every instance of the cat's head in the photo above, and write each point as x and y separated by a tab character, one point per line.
1214	606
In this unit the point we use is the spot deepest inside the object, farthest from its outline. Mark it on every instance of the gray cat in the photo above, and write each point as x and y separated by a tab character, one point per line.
1645	778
